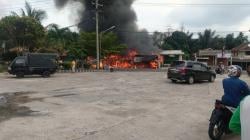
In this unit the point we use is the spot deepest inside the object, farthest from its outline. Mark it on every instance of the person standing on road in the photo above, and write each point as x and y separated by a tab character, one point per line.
234	88
73	66
240	121
222	67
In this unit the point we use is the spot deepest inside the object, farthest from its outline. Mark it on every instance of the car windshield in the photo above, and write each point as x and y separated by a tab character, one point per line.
20	61
178	64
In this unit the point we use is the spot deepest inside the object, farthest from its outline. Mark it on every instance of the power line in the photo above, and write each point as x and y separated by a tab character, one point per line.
50	2
196	4
196	32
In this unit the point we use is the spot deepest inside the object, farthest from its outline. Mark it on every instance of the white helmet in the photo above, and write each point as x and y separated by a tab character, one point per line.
234	71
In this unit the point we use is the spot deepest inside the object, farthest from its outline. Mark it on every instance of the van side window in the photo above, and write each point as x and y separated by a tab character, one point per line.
204	68
20	62
197	66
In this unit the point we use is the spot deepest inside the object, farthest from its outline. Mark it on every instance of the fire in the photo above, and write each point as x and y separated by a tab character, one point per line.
131	61
119	61
154	64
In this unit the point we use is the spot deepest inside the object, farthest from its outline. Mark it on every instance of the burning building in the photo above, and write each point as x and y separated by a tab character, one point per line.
132	60
118	13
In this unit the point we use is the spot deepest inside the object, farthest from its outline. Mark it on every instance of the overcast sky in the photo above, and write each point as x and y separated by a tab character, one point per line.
159	14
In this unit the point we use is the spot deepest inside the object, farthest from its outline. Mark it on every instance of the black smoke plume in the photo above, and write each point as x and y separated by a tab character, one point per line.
117	13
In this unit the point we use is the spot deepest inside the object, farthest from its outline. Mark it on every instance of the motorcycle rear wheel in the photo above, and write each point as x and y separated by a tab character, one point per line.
216	130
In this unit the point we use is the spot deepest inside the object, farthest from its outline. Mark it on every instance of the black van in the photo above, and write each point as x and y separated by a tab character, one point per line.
33	63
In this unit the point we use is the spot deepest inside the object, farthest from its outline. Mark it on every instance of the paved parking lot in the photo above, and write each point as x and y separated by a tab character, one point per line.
108	106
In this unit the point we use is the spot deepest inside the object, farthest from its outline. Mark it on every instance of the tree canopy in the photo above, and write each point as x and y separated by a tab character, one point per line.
25	33
185	41
36	14
22	32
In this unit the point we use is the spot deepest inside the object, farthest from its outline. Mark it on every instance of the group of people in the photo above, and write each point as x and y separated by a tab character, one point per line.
237	94
220	69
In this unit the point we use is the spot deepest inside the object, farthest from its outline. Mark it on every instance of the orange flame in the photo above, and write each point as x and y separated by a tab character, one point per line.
127	61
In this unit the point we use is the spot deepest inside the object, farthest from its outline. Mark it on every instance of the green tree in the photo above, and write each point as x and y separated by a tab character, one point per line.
73	46
241	38
230	41
206	38
77	51
110	44
180	41
218	43
58	39
24	33
37	14
177	41
193	44
158	39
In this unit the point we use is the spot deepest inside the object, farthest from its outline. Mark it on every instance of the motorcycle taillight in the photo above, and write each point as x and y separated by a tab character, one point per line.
183	70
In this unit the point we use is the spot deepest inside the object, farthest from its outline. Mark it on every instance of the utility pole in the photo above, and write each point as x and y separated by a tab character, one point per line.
182	27
101	33
169	31
97	34
97	5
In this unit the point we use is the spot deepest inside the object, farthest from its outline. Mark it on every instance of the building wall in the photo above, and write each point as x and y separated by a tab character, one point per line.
224	61
214	61
211	61
242	54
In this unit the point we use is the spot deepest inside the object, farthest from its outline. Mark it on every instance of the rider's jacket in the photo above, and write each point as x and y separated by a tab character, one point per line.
234	91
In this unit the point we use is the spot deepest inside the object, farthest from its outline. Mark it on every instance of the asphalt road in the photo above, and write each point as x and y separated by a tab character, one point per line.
109	106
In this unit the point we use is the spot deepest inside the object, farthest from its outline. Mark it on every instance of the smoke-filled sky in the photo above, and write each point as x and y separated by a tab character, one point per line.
157	14
117	13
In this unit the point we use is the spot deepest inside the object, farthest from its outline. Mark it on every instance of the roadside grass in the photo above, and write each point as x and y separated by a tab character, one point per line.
3	68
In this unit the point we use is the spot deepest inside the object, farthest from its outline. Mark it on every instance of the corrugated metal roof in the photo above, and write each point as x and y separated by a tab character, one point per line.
242	47
172	52
212	52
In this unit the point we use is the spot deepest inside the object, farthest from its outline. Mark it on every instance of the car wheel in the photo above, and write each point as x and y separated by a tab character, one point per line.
46	74
190	80
212	78
174	81
20	74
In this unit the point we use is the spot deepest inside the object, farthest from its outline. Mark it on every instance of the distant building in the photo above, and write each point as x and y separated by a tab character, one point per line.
214	57
241	55
169	56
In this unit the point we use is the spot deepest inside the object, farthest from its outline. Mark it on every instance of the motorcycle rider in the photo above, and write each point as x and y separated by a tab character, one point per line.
234	88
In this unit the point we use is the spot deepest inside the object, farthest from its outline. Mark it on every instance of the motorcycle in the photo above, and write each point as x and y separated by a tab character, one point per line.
219	70
219	120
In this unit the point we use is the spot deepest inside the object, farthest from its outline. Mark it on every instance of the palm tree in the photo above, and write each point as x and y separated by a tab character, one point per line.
56	32
207	38
37	14
58	38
